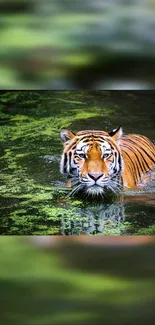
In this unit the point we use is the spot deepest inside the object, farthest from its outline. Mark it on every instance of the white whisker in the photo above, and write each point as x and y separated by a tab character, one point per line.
76	189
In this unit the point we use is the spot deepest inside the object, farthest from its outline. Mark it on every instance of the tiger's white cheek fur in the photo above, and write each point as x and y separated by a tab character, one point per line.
62	165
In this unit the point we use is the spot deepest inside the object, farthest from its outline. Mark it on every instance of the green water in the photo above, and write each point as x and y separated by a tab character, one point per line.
76	283
33	196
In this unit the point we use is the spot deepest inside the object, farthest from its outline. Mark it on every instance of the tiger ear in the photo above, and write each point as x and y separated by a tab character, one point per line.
66	135
116	133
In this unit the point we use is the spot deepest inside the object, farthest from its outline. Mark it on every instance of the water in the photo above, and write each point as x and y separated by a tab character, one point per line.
33	196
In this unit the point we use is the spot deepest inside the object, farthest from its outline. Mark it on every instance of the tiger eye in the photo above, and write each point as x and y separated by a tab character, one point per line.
82	155
107	155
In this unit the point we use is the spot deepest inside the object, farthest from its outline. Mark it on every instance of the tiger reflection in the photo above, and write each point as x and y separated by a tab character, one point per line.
100	219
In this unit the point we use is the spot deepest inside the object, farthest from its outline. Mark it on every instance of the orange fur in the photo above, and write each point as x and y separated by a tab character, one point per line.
139	163
137	153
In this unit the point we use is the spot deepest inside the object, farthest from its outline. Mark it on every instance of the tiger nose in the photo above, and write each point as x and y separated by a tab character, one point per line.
95	176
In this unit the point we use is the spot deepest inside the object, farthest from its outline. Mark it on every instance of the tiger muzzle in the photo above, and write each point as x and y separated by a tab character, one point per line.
95	176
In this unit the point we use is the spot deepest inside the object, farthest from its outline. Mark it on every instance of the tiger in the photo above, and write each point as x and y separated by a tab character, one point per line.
95	161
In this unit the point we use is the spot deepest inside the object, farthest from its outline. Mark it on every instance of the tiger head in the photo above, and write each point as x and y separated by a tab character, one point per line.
92	160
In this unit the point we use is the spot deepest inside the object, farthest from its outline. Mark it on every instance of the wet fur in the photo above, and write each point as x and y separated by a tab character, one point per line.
132	157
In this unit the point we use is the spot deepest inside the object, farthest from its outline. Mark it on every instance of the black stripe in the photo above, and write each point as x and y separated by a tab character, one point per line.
121	178
143	168
144	160
86	141
115	158
146	141
137	167
91	137
82	147
70	156
120	160
72	170
86	137
65	164
144	152
131	171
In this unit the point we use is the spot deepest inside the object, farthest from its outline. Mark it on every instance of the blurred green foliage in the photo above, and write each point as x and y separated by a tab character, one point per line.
69	44
75	284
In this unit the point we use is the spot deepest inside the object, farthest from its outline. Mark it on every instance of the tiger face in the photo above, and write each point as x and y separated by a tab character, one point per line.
92	160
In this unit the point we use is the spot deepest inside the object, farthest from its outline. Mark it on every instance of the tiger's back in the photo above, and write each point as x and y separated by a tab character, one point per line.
138	154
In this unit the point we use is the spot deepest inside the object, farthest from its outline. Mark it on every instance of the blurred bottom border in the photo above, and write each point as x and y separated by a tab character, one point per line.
77	279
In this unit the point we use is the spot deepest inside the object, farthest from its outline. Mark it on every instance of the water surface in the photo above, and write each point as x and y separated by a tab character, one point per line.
33	196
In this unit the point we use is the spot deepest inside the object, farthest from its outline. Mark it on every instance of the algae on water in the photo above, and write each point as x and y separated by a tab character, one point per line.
33	196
